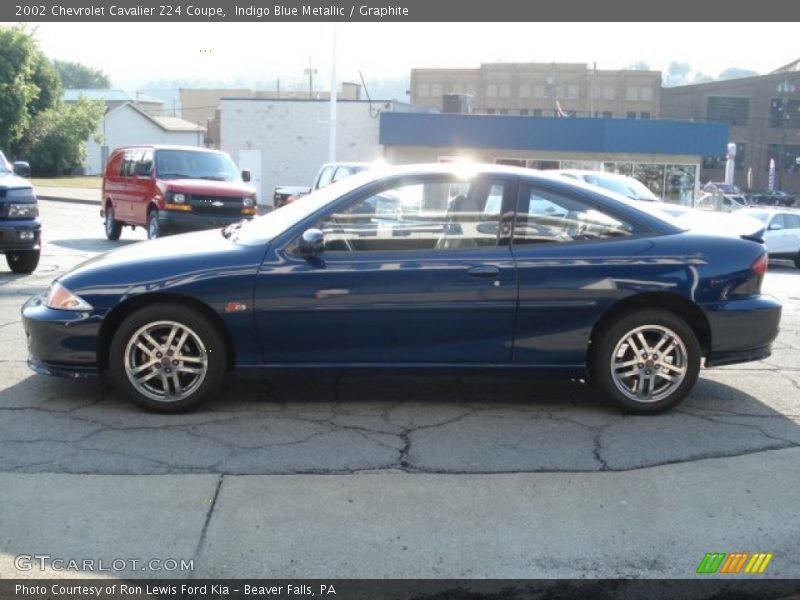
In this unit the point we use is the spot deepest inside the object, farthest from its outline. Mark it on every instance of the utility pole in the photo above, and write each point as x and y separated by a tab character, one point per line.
784	89
332	118
310	71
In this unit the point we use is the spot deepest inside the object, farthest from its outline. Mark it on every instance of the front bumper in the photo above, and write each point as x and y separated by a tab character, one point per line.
11	231
60	342
173	221
742	330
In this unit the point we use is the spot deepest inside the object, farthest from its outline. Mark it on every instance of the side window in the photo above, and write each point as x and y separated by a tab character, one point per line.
425	215
341	173
129	161
546	216
144	167
325	178
792	221
778	220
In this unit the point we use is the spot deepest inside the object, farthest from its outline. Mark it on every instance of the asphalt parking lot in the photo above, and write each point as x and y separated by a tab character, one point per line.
446	476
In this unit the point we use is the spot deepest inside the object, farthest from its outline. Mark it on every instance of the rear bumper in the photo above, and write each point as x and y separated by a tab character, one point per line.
176	221
11	232
742	330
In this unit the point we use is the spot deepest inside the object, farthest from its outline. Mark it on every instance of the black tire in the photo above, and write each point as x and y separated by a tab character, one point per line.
112	226
209	343
797	260
610	346
153	226
23	261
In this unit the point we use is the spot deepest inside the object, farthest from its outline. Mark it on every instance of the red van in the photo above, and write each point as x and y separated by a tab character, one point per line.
170	189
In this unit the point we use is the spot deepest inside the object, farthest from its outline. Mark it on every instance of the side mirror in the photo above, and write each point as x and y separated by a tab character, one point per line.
775	227
245	175
22	169
312	242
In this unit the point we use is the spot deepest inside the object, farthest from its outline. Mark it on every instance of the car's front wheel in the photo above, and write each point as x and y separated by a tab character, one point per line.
647	361
153	226
112	226
23	261
167	358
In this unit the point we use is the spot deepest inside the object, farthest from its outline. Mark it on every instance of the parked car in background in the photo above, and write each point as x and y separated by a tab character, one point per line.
421	266
621	184
20	229
782	236
170	189
772	198
329	173
728	190
720	202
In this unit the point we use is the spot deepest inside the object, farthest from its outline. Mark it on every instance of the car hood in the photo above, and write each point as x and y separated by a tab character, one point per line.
208	186
157	264
11	181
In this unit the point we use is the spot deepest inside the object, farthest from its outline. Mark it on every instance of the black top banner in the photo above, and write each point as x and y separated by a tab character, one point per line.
398	11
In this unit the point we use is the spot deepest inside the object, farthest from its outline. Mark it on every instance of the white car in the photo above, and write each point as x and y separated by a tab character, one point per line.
621	184
783	231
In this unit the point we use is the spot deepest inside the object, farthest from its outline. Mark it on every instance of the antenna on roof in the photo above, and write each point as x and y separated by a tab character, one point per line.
373	112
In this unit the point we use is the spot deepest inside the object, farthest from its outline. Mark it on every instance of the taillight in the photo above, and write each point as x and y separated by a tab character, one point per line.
759	266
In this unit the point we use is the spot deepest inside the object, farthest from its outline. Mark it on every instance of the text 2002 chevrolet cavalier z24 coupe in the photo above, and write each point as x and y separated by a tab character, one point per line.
426	266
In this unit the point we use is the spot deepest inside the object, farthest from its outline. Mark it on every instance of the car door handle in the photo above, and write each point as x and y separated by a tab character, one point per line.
484	271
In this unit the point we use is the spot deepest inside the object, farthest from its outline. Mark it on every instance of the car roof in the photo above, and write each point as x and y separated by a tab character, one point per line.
168	147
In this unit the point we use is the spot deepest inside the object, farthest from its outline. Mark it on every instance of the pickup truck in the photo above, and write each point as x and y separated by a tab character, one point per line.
20	229
329	173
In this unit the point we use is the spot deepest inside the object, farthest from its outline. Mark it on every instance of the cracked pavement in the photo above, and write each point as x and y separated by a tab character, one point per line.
463	447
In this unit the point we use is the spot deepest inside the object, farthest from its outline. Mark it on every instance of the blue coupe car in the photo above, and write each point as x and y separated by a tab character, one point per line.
425	266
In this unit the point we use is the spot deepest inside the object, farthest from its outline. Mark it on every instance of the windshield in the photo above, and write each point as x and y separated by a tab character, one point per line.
193	164
264	228
5	167
728	188
628	187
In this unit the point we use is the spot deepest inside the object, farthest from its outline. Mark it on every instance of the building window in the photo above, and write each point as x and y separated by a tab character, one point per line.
718	162
504	90
489	111
423	90
537	112
646	94
644	115
790	119
523	112
524	91
724	109
503	111
607	114
538	91
632	94
572	92
630	114
491	90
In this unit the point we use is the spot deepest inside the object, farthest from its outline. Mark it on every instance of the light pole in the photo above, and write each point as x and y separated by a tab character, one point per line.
785	88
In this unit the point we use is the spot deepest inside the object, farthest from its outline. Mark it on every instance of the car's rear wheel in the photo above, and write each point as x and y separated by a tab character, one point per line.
797	260
153	226
167	358
112	226
23	261
647	361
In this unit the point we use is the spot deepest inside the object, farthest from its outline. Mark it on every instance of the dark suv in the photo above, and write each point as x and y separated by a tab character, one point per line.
20	229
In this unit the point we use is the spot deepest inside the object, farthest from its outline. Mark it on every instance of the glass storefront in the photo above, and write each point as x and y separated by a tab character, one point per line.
672	182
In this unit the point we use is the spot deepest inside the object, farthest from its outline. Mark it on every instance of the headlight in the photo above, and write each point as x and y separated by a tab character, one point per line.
23	211
21	194
60	298
179	198
247	202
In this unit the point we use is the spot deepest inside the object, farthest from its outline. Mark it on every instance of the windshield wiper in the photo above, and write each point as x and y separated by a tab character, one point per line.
212	177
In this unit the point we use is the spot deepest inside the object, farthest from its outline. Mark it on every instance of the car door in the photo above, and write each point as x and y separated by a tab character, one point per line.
774	236
127	188
415	272
573	261
141	185
792	233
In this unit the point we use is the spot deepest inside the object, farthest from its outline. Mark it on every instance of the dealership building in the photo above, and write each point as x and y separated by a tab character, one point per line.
284	142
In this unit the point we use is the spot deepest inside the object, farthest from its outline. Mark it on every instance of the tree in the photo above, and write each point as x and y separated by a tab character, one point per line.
639	65
18	89
55	143
677	73
736	73
75	76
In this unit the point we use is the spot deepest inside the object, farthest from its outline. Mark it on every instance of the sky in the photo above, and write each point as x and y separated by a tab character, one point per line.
136	53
